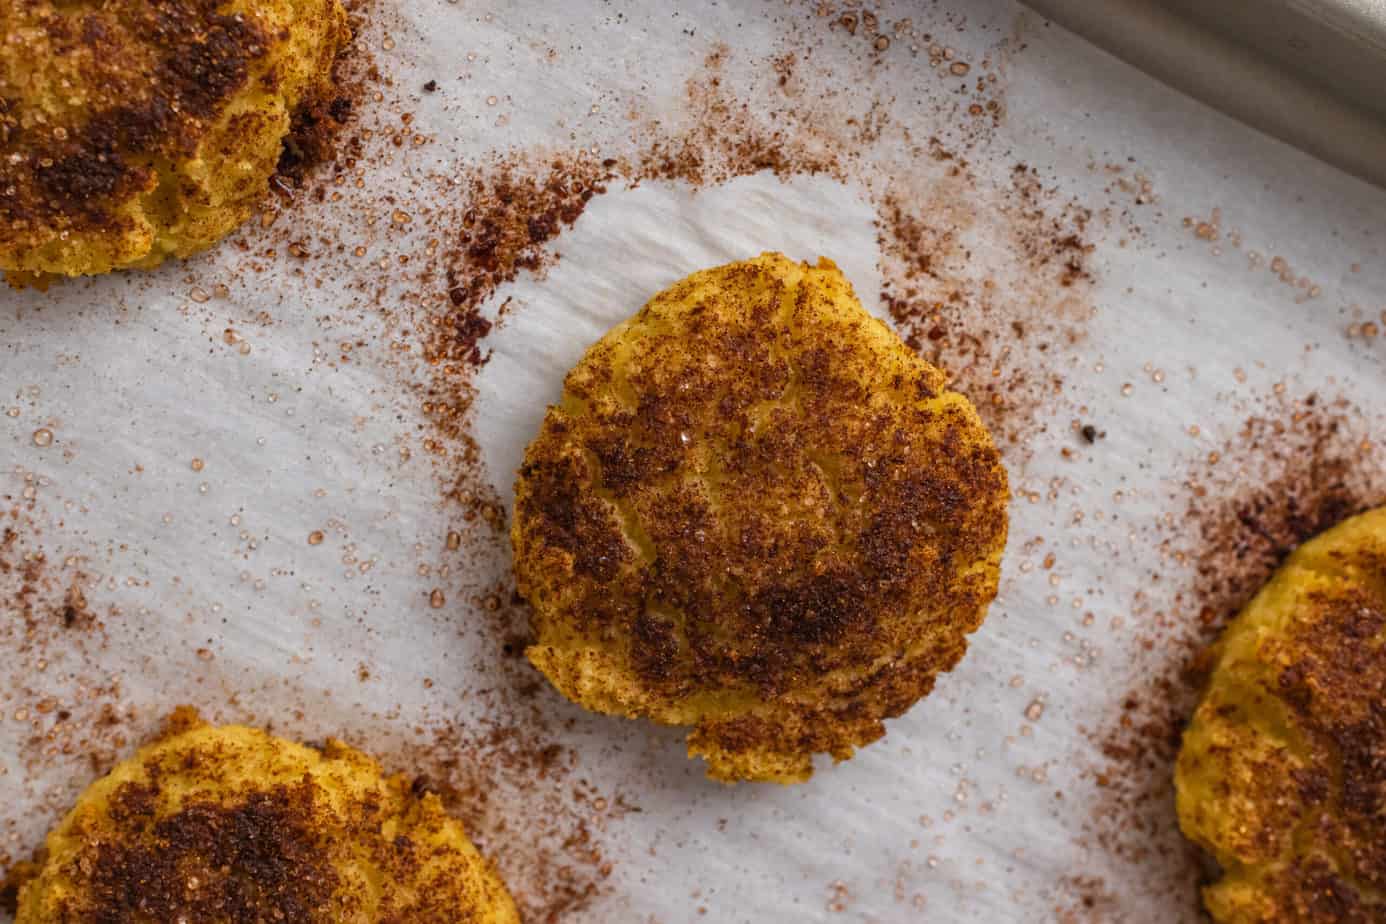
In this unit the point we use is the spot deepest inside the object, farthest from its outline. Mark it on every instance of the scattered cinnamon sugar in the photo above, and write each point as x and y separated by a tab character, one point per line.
509	219
1004	334
1318	466
508	211
53	637
43	600
728	137
1086	900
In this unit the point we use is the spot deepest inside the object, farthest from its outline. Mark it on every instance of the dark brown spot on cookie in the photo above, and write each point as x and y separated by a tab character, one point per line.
258	859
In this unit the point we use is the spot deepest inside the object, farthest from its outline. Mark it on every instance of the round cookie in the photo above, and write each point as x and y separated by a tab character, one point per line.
1282	772
756	512
136	130
224	825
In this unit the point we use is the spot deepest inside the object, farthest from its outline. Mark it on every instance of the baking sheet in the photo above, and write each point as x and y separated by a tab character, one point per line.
1304	71
210	419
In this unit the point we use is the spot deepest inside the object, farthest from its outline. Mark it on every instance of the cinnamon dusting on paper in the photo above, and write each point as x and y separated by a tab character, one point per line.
1004	328
71	712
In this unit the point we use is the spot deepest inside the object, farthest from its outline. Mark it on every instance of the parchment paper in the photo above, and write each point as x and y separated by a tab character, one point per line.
979	803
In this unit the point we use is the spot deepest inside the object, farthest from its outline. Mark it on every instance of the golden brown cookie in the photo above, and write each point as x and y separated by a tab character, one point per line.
231	825
757	513
136	130
1282	774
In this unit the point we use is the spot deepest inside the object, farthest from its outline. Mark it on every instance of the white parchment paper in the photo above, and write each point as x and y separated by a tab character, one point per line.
977	805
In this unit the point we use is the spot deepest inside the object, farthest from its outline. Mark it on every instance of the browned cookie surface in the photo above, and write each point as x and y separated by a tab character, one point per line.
758	513
131	131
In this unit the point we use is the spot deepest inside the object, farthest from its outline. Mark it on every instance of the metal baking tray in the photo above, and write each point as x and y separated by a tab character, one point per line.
1309	72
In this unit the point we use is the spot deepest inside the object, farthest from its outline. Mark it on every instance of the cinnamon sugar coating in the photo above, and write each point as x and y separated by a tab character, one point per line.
1282	774
133	131
757	513
232	826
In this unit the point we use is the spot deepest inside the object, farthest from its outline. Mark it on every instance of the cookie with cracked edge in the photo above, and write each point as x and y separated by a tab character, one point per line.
1282	773
132	131
757	513
230	824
